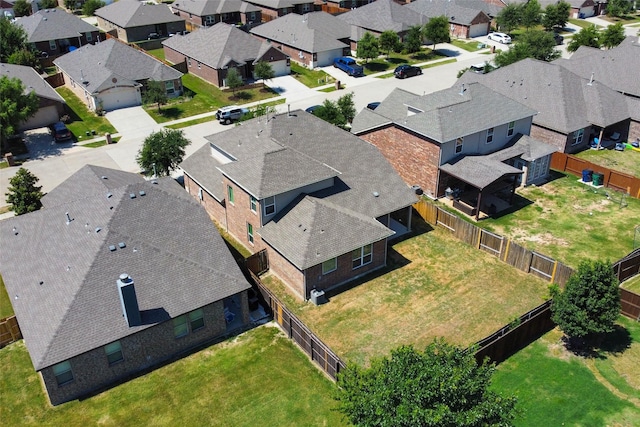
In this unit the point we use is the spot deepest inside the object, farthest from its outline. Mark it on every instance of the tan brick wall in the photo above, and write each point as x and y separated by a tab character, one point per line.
415	159
239	214
214	208
286	272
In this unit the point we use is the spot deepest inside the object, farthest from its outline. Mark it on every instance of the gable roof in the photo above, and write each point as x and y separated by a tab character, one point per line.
62	275
383	15
447	114
312	32
132	13
218	45
31	80
53	24
213	7
279	4
565	101
100	64
455	12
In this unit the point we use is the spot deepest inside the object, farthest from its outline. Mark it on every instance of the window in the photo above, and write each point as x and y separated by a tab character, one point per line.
114	353
270	205
459	142
52	45
63	373
200	193
210	19
180	326
189	62
329	265
170	88
230	193
577	137
489	135
88	36
510	128
254	204
362	256
250	233
198	65
196	319
252	16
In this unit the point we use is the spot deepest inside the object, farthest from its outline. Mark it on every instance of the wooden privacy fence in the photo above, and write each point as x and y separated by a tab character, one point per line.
630	304
9	331
611	178
628	266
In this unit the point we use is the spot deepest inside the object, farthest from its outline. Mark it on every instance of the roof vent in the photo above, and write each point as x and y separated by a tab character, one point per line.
98	229
462	89
376	194
103	177
15	232
112	248
591	80
142	193
154	182
68	218
109	195
132	195
122	245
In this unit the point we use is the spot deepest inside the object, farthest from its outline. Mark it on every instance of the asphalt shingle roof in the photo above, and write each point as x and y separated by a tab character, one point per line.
455	12
132	13
53	24
213	7
62	275
479	171
31	80
383	15
279	4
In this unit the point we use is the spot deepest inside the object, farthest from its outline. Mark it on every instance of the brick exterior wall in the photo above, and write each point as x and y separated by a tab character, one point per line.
142	350
203	71
288	274
634	130
214	208
459	31
415	159
559	140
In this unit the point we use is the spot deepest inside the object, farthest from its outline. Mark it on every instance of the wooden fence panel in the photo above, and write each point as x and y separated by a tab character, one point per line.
628	266
258	263
519	257
466	232
447	220
542	266
562	275
9	331
428	211
492	243
630	304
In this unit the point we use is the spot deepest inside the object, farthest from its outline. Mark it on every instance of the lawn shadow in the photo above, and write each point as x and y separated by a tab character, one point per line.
376	67
600	347
242	95
171	113
448	52
618	341
519	202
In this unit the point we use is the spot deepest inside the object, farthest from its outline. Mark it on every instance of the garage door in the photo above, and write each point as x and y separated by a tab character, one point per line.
586	12
44	117
120	97
478	30
280	68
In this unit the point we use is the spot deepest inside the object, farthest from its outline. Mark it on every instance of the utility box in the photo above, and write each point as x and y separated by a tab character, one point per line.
318	297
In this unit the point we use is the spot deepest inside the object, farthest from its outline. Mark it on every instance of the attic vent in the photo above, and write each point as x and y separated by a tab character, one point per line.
41	283
122	245
142	193
376	194
68	218
109	195
112	248
98	229
132	195
15	232
103	177
154	182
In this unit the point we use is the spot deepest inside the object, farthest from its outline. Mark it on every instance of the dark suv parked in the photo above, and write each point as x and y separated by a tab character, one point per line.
60	132
404	71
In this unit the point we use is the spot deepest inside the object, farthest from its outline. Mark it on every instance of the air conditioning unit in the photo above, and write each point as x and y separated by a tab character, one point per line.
318	297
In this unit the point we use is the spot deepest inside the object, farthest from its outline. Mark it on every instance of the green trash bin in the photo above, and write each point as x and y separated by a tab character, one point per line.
597	178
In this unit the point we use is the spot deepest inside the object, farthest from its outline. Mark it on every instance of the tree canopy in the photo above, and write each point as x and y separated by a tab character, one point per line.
339	112
442	386
263	70
22	8
48	4
162	151
556	15
90	6
15	106
437	30
368	47
388	41
535	44
612	36
510	17
413	39
531	14
13	38
155	93
234	80
618	8
589	36
590	303
24	195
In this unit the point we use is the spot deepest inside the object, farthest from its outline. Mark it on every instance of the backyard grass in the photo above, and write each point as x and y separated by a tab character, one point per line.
310	78
6	309
470	46
83	120
202	97
555	387
632	284
158	53
627	161
434	285
259	377
382	64
570	221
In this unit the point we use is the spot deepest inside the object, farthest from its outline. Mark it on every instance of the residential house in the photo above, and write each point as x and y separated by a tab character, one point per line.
381	16
114	276
321	201
572	110
211	52
205	13
313	39
465	22
579	8
112	75
51	105
613	68
132	21
273	9
467	137
6	9
54	32
336	7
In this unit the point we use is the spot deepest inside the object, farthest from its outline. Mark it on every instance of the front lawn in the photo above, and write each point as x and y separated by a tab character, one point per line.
383	63
627	161
259	377
555	387
83	120
582	23
434	285
470	46
570	221
310	78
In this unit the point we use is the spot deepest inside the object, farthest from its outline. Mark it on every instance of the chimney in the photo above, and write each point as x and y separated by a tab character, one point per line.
128	300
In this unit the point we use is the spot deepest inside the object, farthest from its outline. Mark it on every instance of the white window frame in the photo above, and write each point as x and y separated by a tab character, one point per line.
577	137
362	256
489	135
459	145
169	87
511	128
180	326
250	237
230	196
329	265
269	205
114	353
196	319
253	204
62	371
53	45
200	194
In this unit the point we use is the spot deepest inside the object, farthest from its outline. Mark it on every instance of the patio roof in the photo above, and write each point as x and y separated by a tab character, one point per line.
479	171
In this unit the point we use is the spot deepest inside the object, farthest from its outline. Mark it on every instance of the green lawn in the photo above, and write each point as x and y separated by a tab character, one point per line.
570	221
158	53
83	120
424	67
6	309
470	46
310	78
626	19
258	378
434	285
582	23
627	161
382	64
632	284
100	143
555	387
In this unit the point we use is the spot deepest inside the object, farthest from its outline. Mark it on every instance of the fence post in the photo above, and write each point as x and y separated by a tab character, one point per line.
479	237
553	273
506	251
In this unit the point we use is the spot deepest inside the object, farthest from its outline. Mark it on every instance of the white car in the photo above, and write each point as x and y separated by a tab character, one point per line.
230	114
500	37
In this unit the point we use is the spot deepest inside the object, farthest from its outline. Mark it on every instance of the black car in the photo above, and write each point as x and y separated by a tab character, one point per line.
312	109
373	105
60	132
404	71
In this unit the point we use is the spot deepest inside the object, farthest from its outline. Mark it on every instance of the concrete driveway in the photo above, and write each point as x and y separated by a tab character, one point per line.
290	88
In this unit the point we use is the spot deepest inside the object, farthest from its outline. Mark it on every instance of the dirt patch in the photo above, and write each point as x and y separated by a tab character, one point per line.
524	235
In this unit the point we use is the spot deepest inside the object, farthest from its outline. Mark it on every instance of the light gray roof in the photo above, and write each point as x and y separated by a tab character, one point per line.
525	147
489	7
279	4
383	15
133	13
565	101
312	32
447	114
219	45
455	12
101	63
31	80
53	24
62	276
213	7
479	171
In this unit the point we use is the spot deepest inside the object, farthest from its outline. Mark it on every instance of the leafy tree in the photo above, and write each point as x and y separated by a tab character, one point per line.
90	6
535	44
258	111
618	8
22	8
155	93
510	17
12	38
48	4
388	41
531	14
550	16
263	70
347	107
437	30
515	53
24	195
15	106
367	47
612	36
442	386
589	305
330	112
563	9
413	39
589	36
162	151
234	80
70	4
24	57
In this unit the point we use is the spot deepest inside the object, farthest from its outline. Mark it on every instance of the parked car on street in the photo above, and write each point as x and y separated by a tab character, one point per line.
499	37
230	114
312	109
60	132
406	70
